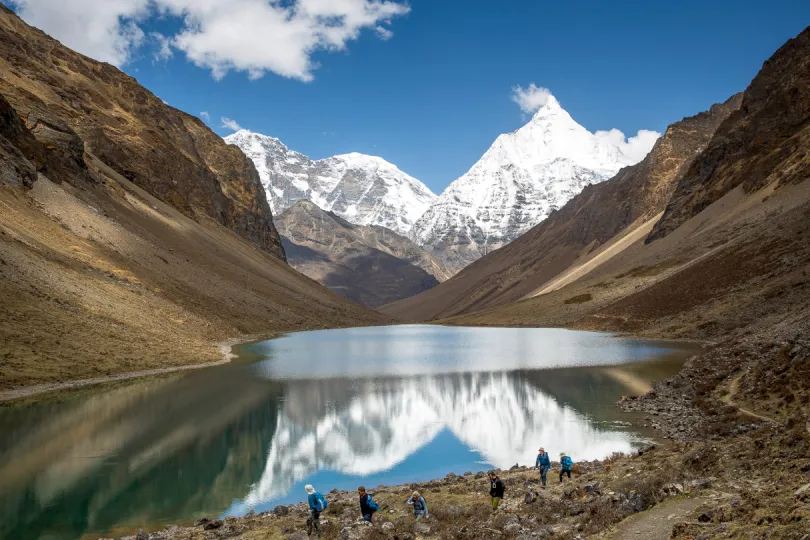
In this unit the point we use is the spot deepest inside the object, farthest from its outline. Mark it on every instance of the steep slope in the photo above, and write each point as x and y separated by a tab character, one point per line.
170	154
360	263
519	181
767	140
99	276
589	220
365	190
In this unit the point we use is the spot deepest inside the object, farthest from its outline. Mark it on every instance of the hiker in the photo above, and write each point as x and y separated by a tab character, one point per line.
496	490
419	506
566	464
317	504
543	463
367	505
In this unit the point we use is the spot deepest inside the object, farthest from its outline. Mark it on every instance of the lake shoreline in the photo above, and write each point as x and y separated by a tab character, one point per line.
225	347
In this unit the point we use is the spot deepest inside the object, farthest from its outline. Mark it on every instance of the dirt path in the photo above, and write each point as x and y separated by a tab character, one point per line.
19	393
728	399
656	523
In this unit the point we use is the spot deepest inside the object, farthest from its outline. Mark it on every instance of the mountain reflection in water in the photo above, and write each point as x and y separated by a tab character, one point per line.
158	451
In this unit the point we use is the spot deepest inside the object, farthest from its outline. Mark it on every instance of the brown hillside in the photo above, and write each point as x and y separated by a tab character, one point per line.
110	263
368	265
170	154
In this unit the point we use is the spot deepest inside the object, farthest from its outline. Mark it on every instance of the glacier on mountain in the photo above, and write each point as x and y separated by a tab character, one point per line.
362	189
516	184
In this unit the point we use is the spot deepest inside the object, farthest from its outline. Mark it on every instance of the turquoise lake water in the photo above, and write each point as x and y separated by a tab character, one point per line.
335	408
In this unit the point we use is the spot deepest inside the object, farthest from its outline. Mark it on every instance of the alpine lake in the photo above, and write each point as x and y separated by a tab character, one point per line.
332	408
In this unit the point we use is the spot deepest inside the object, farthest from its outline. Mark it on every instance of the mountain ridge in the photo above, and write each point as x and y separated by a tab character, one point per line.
363	189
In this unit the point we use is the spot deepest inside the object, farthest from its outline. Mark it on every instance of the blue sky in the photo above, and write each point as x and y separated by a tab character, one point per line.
433	96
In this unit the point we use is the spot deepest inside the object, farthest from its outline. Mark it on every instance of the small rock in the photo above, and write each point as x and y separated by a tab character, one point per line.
421	528
216	524
529	497
803	492
648	448
671	490
592	488
142	535
251	514
512	528
388	526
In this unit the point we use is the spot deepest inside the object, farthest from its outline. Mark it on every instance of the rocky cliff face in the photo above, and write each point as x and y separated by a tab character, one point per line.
588	220
71	101
520	180
765	141
362	189
369	265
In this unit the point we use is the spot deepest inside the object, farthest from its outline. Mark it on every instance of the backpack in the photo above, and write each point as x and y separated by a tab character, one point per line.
322	503
371	504
567	463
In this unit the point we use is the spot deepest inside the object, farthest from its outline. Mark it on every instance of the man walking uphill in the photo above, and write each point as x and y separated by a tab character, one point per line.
367	505
544	464
496	490
317	504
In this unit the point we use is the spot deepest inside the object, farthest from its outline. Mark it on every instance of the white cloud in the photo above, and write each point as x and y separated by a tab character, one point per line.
228	123
636	147
530	99
384	33
107	31
164	50
252	36
205	116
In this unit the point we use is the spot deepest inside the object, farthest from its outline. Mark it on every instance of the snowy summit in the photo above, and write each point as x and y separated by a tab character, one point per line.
516	184
362	189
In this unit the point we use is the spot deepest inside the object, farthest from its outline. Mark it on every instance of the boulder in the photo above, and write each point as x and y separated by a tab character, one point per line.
200	522
281	510
142	535
421	528
529	497
512	528
388	526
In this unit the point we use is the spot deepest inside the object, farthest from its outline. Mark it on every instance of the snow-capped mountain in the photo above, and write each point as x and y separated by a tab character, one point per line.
515	185
362	189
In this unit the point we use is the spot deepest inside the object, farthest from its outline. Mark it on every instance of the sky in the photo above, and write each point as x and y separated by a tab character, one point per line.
427	84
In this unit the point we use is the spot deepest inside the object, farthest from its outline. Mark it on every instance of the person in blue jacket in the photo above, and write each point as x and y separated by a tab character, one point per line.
543	462
419	506
367	505
566	464
317	504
